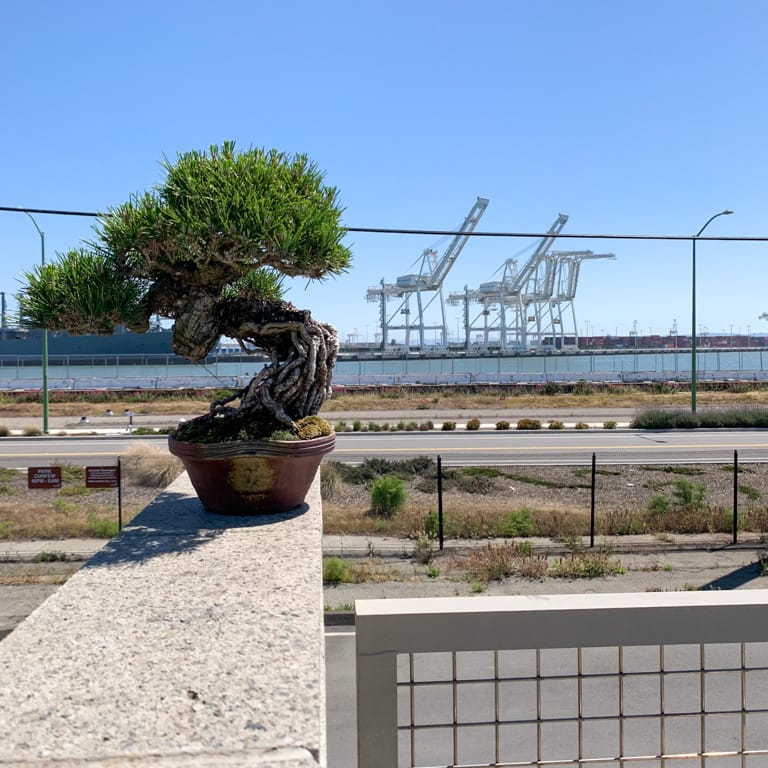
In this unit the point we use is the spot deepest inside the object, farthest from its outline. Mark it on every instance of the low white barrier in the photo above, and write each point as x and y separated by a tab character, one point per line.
726	718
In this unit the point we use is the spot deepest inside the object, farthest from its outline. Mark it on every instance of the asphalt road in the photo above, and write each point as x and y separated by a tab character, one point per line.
469	448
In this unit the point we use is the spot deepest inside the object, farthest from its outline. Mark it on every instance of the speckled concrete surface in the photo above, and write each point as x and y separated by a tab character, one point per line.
192	639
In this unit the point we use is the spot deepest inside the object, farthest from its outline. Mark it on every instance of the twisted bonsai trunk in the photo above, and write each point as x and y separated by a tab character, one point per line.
293	385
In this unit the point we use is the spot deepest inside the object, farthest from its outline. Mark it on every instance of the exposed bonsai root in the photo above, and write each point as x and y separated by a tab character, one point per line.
294	385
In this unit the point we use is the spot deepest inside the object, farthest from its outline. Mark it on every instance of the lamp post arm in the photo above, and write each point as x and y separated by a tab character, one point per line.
726	212
45	331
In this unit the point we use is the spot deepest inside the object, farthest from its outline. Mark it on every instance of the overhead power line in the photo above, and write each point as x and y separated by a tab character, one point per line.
450	232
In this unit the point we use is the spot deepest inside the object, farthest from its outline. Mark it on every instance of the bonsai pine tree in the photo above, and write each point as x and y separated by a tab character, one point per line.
210	248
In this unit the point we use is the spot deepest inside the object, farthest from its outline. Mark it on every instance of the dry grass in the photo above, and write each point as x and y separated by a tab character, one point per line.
554	502
150	467
497	562
72	511
403	399
184	407
447	399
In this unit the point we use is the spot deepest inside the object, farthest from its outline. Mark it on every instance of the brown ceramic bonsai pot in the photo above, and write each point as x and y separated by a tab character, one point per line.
253	477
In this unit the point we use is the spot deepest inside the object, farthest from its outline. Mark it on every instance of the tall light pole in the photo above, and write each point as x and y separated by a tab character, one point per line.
693	304
45	332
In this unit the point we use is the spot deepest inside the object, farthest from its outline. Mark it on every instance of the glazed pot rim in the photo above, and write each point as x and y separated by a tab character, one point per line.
231	448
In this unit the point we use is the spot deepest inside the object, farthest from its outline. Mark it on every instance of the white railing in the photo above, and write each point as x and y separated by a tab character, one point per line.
650	677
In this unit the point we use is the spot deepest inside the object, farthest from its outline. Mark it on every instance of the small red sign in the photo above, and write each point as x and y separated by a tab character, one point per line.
101	477
43	477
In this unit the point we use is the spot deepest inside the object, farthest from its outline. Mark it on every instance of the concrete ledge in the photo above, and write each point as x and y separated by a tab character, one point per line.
191	639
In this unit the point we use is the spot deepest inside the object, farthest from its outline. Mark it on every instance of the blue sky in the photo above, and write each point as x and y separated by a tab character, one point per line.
630	116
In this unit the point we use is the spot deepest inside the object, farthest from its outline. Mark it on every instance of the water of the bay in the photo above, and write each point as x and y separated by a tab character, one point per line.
166	372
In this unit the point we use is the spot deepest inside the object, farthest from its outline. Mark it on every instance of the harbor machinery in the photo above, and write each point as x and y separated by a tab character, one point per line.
425	288
529	309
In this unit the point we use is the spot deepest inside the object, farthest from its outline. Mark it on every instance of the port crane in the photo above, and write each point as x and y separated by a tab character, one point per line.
425	287
529	308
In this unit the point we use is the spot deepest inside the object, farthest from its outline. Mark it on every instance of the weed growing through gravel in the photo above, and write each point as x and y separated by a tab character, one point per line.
585	565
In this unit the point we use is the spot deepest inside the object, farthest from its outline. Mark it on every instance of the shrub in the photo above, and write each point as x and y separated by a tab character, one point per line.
473	424
48	556
474	483
714	419
341	426
102	529
585	565
4	430
550	388
556	424
688	494
518	523
31	431
581	425
374	467
658	506
411	426
528	424
425	426
357	425
449	426
610	424
423	551
373	427
387	495
496	562
432	525
337	571
502	425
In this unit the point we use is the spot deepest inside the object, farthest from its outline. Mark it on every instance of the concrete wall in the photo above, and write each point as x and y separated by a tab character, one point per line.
191	640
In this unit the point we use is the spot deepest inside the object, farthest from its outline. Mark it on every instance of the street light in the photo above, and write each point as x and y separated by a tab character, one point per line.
693	305
45	332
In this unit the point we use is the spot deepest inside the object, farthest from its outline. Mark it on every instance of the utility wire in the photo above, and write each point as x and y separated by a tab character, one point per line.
450	232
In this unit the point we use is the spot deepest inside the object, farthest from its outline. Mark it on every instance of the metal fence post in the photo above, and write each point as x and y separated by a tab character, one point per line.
592	505
440	531
735	497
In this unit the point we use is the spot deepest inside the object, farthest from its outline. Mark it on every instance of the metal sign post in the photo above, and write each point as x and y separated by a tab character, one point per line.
107	477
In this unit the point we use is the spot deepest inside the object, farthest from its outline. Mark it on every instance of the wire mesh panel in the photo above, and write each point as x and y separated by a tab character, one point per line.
694	705
570	699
